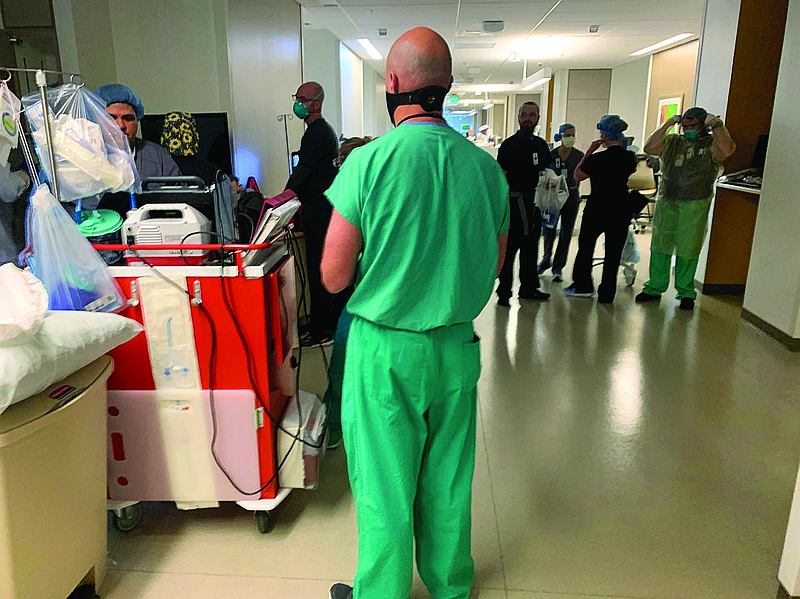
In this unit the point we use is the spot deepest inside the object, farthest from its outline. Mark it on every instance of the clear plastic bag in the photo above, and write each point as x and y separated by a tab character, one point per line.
93	155
73	273
630	251
551	195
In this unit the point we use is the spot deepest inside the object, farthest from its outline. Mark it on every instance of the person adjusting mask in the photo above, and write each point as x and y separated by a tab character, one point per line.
690	163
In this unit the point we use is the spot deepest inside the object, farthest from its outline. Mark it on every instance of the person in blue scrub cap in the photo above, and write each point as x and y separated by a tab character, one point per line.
607	210
125	107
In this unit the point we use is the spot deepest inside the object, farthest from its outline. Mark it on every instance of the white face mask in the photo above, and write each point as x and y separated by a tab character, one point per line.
568	141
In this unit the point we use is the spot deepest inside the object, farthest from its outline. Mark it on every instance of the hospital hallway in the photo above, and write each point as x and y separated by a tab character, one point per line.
631	451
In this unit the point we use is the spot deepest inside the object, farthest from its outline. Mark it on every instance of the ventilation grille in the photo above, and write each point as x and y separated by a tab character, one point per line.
148	235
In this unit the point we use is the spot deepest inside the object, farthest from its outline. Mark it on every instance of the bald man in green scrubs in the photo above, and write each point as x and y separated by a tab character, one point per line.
419	224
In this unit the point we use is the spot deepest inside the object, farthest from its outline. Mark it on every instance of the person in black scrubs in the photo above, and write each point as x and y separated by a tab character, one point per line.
523	158
607	210
566	159
312	176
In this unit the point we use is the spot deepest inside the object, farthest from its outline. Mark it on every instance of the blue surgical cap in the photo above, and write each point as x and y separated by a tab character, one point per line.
116	92
558	136
612	126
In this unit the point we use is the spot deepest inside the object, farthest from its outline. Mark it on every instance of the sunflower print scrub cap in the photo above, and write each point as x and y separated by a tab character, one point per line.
179	134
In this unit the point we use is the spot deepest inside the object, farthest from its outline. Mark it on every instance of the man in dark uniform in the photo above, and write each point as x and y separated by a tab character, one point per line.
523	158
310	179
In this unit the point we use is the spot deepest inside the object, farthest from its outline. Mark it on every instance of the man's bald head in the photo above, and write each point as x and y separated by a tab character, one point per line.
419	58
311	95
311	90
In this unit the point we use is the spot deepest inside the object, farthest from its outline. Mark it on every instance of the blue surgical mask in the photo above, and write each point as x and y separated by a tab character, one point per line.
691	134
300	109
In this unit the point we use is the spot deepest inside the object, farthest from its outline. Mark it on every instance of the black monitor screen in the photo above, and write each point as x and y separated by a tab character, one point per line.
212	129
760	153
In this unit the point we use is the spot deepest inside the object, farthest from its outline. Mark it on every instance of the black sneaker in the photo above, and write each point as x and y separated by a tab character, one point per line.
535	295
557	277
504	302
644	297
341	591
687	303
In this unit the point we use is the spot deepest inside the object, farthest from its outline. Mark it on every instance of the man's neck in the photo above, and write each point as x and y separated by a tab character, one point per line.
412	110
313	117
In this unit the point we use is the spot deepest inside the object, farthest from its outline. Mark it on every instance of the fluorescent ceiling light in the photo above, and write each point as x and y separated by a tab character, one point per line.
543	47
473	46
478	93
536	83
488	106
371	50
667	42
538	78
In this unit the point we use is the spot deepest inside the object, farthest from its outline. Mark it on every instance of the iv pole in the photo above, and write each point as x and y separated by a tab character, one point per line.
41	83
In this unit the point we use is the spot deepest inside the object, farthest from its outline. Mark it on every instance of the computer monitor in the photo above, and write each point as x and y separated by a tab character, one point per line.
212	129
760	153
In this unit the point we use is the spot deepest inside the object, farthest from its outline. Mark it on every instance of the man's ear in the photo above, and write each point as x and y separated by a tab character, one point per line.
392	83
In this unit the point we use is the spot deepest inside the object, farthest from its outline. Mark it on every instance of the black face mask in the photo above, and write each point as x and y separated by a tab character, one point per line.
431	99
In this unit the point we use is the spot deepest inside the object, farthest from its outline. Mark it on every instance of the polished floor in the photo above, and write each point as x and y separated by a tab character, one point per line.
623	451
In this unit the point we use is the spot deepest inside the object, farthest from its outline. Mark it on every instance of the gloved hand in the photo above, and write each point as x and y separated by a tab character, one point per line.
674	120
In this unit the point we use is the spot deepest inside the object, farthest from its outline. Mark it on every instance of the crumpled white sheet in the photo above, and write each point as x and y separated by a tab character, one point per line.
24	302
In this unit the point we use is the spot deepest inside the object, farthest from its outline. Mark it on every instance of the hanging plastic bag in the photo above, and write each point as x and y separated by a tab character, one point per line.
74	275
93	155
630	251
551	195
9	122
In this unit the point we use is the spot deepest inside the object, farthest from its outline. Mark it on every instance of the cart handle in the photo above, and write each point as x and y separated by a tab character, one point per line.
237	248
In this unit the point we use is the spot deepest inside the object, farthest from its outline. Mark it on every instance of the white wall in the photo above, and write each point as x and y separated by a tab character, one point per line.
265	67
560	91
629	90
713	76
715	59
321	64
587	102
352	77
773	282
167	52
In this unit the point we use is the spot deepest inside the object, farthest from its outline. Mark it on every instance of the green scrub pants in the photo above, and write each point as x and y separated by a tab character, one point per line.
679	227
408	415
659	275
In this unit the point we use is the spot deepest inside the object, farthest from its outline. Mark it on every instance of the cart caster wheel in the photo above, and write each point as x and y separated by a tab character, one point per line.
263	521
128	518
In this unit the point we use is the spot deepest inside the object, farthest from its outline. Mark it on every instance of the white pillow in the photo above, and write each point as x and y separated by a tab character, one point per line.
67	342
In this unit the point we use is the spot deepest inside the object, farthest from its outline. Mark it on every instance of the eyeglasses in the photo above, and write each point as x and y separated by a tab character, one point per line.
302	99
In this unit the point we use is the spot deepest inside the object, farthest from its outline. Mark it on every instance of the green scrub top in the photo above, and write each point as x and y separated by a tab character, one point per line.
430	206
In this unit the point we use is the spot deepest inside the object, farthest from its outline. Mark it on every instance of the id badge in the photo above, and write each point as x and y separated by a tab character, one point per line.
535	159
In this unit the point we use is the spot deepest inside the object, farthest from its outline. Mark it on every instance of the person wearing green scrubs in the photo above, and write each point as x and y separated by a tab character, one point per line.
690	164
419	224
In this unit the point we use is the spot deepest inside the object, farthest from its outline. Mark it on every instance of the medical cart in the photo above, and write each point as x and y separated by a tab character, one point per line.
194	401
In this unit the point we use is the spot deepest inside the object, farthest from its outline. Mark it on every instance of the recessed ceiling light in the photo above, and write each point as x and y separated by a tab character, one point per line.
661	44
543	47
